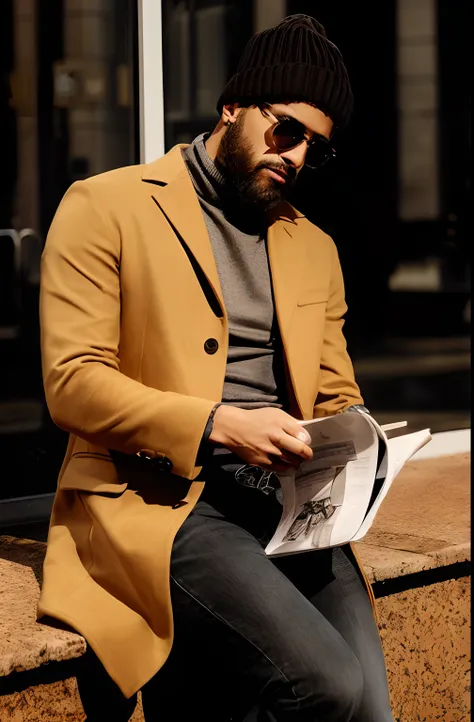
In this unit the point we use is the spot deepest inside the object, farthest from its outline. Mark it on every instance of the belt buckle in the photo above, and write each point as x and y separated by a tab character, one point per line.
256	478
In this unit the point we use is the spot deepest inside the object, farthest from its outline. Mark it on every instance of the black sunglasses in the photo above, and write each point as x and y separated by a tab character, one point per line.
287	133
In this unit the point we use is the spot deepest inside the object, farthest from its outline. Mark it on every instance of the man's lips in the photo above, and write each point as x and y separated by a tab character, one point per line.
279	175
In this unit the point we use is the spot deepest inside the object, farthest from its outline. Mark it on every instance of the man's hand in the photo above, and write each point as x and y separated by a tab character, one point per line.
269	438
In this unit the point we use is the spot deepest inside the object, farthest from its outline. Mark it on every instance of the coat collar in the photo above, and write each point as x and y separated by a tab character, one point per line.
165	169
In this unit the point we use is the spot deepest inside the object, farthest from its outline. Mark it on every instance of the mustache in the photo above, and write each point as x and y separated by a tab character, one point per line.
289	172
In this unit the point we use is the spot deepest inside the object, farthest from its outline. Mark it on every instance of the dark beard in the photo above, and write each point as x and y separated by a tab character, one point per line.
246	188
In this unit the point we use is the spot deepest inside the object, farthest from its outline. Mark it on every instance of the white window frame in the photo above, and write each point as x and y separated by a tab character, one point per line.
150	68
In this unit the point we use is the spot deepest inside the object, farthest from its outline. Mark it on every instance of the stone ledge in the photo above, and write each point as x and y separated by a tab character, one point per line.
25	643
383	563
406	538
46	694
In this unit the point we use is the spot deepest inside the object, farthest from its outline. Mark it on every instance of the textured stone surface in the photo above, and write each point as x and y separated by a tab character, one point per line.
382	563
24	642
58	701
428	500
426	638
452	555
55	702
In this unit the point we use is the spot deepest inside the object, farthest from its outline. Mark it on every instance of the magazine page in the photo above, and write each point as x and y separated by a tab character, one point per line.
293	497
399	450
325	501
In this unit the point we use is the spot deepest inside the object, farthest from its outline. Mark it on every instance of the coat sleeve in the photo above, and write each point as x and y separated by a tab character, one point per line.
337	386
86	392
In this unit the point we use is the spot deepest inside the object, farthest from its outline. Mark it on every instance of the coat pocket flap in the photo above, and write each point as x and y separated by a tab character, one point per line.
313	295
93	473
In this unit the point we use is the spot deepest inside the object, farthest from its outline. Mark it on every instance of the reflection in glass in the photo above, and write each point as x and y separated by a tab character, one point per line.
67	92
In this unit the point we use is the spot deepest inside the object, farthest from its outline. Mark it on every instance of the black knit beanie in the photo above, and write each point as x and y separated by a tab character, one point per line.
292	62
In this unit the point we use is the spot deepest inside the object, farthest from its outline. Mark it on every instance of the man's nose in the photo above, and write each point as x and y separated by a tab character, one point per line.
296	156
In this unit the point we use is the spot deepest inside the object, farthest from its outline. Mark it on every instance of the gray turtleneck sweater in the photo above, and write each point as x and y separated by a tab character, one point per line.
254	375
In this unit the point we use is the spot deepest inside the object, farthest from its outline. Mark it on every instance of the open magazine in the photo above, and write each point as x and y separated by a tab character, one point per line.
333	498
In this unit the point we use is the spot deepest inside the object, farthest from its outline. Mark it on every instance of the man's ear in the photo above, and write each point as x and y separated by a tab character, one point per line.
230	113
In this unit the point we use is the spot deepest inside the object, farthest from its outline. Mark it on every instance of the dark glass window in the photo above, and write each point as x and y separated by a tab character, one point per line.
68	94
202	42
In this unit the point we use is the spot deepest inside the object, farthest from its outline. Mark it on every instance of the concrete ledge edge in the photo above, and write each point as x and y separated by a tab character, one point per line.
417	563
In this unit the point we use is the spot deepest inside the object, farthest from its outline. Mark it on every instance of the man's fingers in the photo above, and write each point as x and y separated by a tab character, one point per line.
292	459
287	460
276	464
295	446
280	468
298	431
271	450
304	436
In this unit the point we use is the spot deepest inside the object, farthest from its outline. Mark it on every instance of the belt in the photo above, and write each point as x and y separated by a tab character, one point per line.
247	475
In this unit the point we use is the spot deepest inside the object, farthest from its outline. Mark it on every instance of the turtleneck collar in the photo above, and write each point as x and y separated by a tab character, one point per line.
211	186
207	178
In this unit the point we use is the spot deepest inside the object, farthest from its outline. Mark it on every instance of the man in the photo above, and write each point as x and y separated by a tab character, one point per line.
190	316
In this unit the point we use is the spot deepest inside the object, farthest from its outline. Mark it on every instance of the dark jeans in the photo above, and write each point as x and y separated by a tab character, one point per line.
260	639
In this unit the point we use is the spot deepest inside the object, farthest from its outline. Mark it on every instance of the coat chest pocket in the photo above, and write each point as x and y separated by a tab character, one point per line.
310	296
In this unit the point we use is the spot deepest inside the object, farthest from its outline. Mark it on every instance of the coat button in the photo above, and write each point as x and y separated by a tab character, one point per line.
164	464
211	345
146	455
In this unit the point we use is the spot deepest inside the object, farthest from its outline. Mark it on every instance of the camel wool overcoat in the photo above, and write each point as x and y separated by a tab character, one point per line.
134	337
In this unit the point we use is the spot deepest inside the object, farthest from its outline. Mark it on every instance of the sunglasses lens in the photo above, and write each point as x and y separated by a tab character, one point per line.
319	153
288	134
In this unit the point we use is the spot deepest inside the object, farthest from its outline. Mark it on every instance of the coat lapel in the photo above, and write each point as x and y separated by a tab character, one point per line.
173	192
287	255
